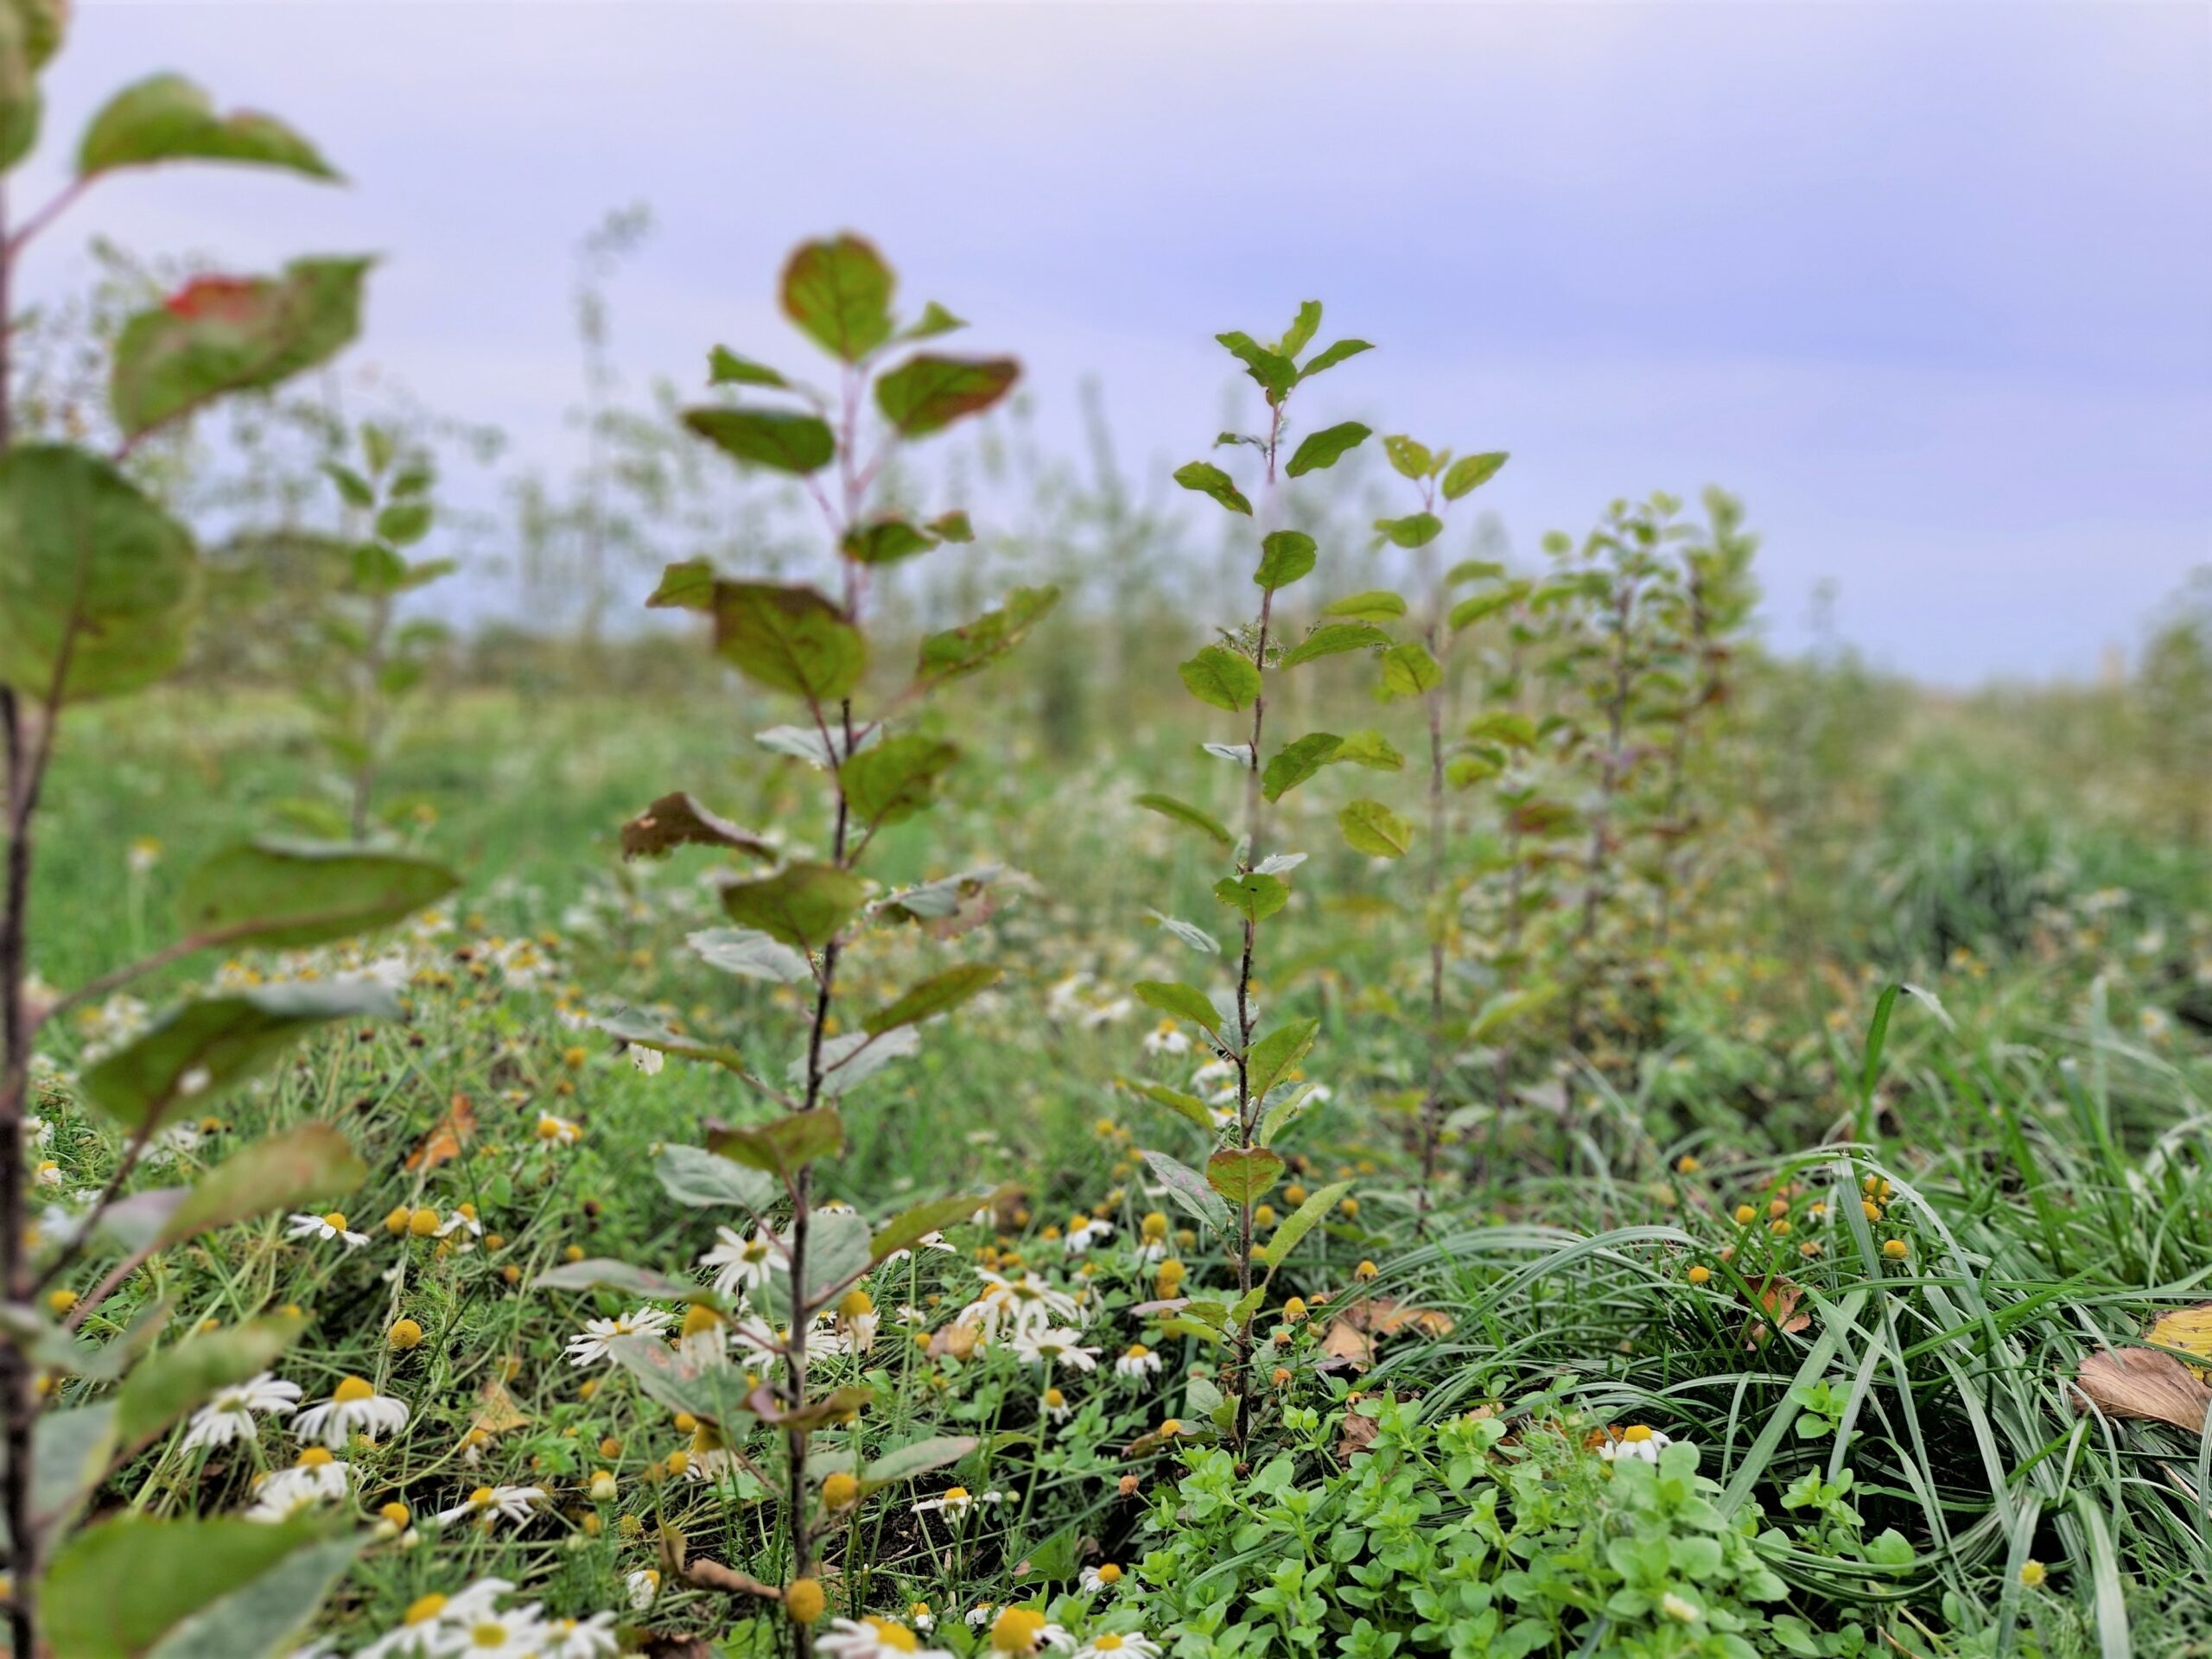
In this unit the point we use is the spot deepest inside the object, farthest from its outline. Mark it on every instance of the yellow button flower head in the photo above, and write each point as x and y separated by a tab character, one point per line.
840	1491
404	1334
803	1600
423	1222
1018	1630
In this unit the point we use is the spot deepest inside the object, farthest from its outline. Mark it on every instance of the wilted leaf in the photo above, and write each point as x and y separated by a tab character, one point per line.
677	820
2143	1382
448	1139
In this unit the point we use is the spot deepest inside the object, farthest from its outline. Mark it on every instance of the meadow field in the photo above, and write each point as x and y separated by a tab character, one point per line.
963	1053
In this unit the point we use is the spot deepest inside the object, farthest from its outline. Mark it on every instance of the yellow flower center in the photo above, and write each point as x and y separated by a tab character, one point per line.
480	1498
1054	1399
350	1389
700	1319
1109	1642
955	1495
1138	1350
422	1611
314	1456
1109	1573
890	1633
336	1218
1017	1631
854	1304
1636	1433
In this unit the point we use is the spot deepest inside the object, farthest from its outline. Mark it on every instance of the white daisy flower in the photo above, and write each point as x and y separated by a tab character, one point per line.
643	1584
559	1131
1025	1303
1166	1038
229	1416
1053	1345
463	1220
927	1241
873	1638
647	1060
956	1501
315	1479
1636	1442
1104	1576
326	1227
1110	1645
595	1344
578	1638
1084	1231
354	1407
1136	1360
514	1504
740	1263
439	1624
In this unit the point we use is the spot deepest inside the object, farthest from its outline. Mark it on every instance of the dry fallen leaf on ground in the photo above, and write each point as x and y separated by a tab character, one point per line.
2143	1382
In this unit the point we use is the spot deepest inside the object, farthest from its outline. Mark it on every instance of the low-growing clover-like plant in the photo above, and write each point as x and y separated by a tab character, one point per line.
1231	675
796	923
97	585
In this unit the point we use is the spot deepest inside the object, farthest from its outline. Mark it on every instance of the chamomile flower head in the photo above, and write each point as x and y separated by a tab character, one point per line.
490	1503
1022	1304
873	1638
229	1415
558	1131
354	1407
324	1228
1056	1405
1119	1644
595	1344
1636	1442
1104	1576
1053	1345
1084	1231
437	1624
956	1501
642	1585
1136	1360
739	1263
578	1638
1022	1631
463	1220
317	1478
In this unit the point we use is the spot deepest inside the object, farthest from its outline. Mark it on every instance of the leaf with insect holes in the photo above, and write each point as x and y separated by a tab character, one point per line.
1244	1174
96	584
203	1049
1377	604
803	906
1255	897
940	994
977	644
1221	679
1184	1001
1324	448
1470	472
1209	480
781	440
896	779
1278	1053
687	586
789	639
1407	458
1285	556
783	1146
886	541
1372	828
838	291
286	894
167	118
925	394
1183	812
1189	1190
1302	1221
1297	761
1331	639
218	335
677	820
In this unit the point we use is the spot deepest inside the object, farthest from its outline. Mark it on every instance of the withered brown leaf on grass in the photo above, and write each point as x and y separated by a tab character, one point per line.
2143	1382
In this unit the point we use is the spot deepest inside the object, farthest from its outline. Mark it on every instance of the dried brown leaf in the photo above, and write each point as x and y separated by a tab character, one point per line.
2143	1382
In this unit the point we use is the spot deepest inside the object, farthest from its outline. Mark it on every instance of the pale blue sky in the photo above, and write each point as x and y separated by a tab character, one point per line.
1931	285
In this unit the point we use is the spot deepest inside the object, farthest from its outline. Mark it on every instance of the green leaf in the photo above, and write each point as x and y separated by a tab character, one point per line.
1285	556
1332	637
1255	897
1506	726
1295	762
1470	472
1183	812
951	527
310	1164
1275	372
1409	672
963	650
1302	1221
725	368
221	335
1371	827
181	1377
222	1588
1416	530
790	639
934	321
710	1389
895	779
1475	607
1184	1001
404	523
837	1253
677	820
1300	332
783	1146
1331	356
1244	1174
940	994
1473	570
703	1179
748	953
688	586
927	394
839	292
628	1025
1409	458
30	33
916	1457
781	440
1278	1053
602	1272
1189	1190
910	1227
1373	606
1209	480
201	1050
1370	749
285	895
167	118
93	575
71	1449
1325	447
886	541
1183	1105
1221	679
801	905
